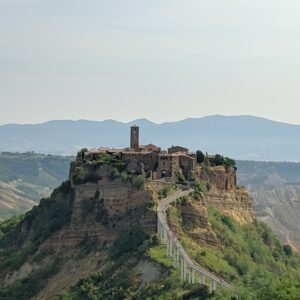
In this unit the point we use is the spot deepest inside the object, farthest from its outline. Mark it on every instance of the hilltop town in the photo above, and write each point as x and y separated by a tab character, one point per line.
154	161
151	158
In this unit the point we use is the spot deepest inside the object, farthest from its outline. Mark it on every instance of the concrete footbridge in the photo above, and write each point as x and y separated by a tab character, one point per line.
189	271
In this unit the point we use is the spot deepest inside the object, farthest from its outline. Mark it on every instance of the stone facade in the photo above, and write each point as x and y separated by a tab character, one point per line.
177	149
152	158
134	138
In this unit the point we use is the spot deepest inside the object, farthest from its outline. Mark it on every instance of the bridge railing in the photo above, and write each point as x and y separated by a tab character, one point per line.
188	269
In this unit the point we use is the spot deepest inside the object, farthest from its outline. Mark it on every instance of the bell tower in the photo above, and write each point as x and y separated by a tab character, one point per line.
134	137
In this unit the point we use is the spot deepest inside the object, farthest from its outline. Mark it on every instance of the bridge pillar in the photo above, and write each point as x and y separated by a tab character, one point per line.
168	245
165	237
212	286
181	269
175	251
162	234
184	270
193	276
190	274
201	278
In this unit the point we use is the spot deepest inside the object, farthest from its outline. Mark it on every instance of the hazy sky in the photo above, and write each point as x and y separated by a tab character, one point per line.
163	60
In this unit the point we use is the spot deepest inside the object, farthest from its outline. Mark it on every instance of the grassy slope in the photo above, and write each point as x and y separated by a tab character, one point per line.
250	256
120	280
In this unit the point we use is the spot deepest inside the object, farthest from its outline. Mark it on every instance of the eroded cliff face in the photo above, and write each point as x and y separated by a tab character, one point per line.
219	177
191	216
104	209
223	193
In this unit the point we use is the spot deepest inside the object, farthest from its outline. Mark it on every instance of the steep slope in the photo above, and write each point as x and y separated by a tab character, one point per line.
275	188
241	137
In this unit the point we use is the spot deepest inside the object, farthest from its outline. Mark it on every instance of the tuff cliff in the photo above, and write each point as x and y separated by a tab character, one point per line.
117	200
102	210
217	188
108	199
223	193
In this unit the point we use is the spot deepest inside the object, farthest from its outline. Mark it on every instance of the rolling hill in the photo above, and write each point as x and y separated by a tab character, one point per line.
25	178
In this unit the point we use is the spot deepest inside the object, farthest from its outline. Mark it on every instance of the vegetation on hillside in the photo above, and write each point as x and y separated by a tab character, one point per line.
214	160
85	169
36	226
9	224
220	160
121	280
250	257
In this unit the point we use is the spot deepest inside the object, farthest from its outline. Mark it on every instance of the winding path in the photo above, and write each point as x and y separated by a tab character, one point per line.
189	271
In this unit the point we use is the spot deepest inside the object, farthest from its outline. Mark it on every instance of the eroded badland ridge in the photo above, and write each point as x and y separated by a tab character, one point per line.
97	226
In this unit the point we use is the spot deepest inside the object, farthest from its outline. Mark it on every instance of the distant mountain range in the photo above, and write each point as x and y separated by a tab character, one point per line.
241	137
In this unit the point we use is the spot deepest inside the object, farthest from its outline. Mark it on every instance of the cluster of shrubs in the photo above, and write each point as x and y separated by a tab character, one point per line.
217	160
220	160
83	174
165	191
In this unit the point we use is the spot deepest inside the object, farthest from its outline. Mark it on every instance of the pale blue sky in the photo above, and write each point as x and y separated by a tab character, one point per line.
163	60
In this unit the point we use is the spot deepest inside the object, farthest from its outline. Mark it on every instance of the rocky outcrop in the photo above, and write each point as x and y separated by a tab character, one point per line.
106	204
191	216
104	209
195	223
235	203
220	177
223	193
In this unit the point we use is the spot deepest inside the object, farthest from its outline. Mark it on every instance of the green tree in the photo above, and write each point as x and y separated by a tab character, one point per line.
200	156
287	250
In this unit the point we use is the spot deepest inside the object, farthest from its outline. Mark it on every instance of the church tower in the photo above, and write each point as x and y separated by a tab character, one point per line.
134	137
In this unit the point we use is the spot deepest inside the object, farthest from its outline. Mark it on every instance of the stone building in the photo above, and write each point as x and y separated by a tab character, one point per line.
134	137
177	149
152	158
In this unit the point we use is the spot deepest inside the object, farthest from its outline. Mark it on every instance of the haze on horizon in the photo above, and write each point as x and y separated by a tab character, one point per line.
160	60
